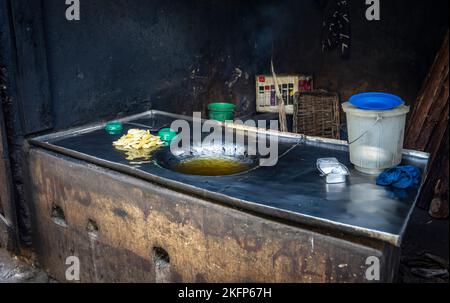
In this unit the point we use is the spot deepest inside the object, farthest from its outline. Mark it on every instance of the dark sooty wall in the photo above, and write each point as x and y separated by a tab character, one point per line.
391	55
127	56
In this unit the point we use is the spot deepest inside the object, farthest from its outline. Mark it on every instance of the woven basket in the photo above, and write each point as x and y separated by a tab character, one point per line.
317	114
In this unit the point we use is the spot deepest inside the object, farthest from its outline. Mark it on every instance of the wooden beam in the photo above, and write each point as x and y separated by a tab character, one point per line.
428	127
432	100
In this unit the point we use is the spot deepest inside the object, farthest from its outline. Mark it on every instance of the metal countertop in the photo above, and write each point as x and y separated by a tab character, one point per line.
292	190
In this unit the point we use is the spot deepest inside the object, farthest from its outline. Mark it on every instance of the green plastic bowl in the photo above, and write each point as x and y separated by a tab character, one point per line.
221	111
114	127
167	134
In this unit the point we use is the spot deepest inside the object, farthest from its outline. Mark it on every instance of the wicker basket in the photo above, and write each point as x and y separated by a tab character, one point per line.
317	114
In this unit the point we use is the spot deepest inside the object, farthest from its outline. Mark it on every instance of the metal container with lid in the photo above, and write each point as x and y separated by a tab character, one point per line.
333	170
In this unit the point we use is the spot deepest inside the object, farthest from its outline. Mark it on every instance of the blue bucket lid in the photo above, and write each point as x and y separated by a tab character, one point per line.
376	101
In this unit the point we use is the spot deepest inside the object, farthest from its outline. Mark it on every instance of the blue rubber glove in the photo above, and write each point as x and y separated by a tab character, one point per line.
400	177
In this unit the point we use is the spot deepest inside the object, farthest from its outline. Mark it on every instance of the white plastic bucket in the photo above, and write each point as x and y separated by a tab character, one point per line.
375	137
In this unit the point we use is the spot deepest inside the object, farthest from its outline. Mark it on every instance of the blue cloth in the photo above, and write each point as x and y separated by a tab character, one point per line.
400	177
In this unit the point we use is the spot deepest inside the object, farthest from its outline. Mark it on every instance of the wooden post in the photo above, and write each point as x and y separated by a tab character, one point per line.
428	129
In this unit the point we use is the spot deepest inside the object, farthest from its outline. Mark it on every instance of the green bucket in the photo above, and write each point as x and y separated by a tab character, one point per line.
221	111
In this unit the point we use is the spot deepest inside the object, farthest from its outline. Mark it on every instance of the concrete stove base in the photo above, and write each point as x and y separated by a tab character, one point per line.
124	229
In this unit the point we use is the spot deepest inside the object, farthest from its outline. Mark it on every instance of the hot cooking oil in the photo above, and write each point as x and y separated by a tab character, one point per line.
210	166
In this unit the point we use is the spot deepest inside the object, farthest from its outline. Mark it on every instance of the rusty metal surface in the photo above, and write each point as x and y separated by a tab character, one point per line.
118	226
293	190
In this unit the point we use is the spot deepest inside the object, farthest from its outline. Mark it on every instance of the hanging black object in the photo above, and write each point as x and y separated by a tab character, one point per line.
336	27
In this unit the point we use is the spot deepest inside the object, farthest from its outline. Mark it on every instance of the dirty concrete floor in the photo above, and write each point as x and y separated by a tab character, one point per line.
424	235
425	249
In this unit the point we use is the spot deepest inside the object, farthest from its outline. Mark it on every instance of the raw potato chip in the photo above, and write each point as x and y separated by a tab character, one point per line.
138	144
138	139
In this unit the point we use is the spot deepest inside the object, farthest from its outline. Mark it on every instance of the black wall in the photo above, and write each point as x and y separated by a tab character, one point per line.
126	56
391	55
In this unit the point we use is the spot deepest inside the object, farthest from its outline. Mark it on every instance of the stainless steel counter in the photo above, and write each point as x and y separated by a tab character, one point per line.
291	191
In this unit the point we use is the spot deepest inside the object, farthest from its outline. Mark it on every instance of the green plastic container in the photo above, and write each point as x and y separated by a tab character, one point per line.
114	127
167	134
221	111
